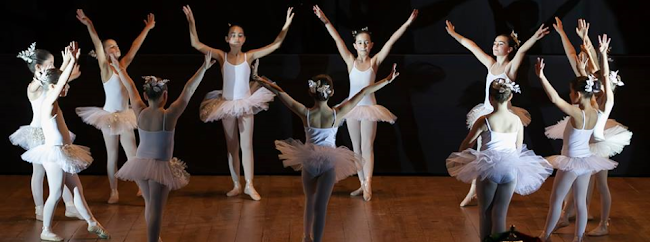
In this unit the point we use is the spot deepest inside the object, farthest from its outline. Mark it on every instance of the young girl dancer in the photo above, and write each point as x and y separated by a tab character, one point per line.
609	140
61	159
30	136
235	105
362	120
321	162
116	120
577	162
506	64
503	165
153	168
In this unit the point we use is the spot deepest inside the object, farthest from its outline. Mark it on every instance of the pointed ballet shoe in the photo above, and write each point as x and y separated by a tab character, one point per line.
236	190
114	197
547	239
601	230
250	190
563	222
139	194
357	192
367	191
99	230
71	212
47	235
467	201
39	213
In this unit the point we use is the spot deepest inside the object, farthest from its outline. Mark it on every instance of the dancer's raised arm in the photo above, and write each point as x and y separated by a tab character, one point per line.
150	23
347	56
194	37
383	53
348	105
136	101
604	64
483	57
552	93
264	51
97	42
52	96
566	44
521	52
177	107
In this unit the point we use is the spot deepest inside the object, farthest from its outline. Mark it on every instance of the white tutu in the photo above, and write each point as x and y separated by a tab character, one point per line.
114	123
616	137
482	110
529	170
372	113
29	137
316	159
582	165
169	173
214	107
72	158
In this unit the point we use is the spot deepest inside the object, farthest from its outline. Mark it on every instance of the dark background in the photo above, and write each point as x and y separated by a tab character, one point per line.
440	79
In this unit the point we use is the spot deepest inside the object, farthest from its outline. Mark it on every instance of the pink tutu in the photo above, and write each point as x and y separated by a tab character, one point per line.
316	159
169	173
482	110
374	113
616	137
29	137
529	170
72	158
114	123
214	107
581	165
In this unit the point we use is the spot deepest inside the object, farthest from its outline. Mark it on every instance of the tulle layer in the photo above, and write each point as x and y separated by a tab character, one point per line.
169	173
71	158
616	137
29	137
316	159
528	169
214	107
482	110
114	123
374	113
581	165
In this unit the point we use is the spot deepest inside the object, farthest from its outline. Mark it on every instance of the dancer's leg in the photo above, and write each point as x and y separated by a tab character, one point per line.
112	143
485	191
561	185
38	175
605	204
230	129
324	185
309	188
580	194
158	197
246	124
354	130
368	134
500	206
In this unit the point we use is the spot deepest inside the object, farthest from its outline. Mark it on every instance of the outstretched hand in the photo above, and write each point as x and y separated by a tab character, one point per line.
413	16
451	30
188	14
150	22
319	13
541	32
582	59
289	18
256	64
583	28
604	43
393	74
539	67
558	25
115	63
208	61
81	16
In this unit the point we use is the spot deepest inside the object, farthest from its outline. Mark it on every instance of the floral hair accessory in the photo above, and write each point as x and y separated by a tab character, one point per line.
322	90
364	29
154	83
29	54
507	84
591	82
614	78
515	37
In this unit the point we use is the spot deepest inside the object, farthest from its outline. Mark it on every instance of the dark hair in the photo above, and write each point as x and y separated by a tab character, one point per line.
499	92
579	84
363	30
322	80
39	57
51	76
153	90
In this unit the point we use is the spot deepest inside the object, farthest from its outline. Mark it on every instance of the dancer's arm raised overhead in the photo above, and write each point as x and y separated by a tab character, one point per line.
568	48
383	53
177	107
587	47
347	56
194	37
97	42
136	101
552	93
264	51
293	105
150	23
604	64
521	52
483	57
57	88
348	105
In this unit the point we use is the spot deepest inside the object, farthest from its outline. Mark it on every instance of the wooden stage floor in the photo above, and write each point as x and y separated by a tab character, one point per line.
406	208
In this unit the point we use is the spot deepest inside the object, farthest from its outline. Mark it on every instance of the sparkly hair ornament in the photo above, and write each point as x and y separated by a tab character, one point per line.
322	90
93	54
505	84
154	83
29	54
615	78
363	30
515	37
591	82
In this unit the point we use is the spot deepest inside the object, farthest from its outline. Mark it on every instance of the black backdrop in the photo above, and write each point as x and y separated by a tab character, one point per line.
440	80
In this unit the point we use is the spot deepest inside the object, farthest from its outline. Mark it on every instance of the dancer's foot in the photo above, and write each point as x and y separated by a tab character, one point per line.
602	229
114	197
367	190
577	239
99	230
71	212
544	238
48	235
563	222
39	213
306	238
250	190
358	191
139	194
236	190
468	200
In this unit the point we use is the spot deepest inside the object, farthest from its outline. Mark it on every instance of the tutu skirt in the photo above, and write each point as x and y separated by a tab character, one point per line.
215	107
114	123
316	159
29	137
617	136
169	173
482	110
529	170
374	113
72	158
581	165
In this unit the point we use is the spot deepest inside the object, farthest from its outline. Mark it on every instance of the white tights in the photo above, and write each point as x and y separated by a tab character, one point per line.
239	133
600	180
38	175
56	178
362	135
563	182
318	189
493	202
112	143
155	198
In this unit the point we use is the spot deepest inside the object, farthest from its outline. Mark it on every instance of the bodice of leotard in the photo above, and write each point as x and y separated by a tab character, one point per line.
359	80
158	145
36	110
498	140
576	141
117	98
321	136
55	130
488	82
235	79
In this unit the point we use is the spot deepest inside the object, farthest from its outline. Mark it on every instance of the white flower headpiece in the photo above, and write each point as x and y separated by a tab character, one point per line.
42	76
515	37
323	90
613	77
29	54
505	83
590	84
92	54
364	29
155	83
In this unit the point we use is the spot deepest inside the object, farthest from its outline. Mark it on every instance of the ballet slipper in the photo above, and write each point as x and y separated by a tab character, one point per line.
71	212
114	197
367	190
467	201
358	191
39	213
236	190
48	235
602	229
250	190
563	222
99	230
139	194
544	238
